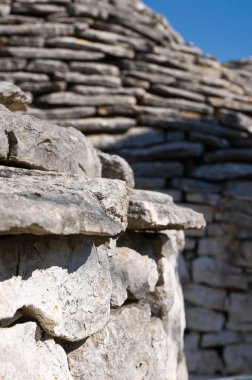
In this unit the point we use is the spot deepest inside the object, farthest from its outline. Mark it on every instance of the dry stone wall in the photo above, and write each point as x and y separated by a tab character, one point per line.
89	287
118	72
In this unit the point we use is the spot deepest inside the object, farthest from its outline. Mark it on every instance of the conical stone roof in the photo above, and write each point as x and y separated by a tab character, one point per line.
118	72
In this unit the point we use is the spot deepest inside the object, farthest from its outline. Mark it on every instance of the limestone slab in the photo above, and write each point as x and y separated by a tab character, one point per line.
156	211
50	203
37	144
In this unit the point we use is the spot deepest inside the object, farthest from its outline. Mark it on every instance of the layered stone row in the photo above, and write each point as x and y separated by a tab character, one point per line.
118	72
88	283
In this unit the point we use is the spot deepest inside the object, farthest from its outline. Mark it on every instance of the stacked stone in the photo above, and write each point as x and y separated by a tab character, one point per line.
119	73
75	303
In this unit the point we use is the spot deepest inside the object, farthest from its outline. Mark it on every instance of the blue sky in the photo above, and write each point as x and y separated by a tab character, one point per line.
221	28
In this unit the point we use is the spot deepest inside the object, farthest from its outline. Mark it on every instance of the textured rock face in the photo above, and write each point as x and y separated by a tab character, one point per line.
26	354
12	97
63	282
120	74
48	203
74	302
36	144
134	345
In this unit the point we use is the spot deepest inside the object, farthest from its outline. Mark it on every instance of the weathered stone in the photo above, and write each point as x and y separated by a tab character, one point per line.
94	68
63	282
116	167
219	172
40	29
181	104
176	92
99	124
62	113
89	79
143	354
193	185
221	247
82	44
238	358
150	183
201	295
26	354
206	210
225	275
47	53
12	97
49	203
222	338
239	307
134	137
71	98
240	326
163	151
183	272
209	140
245	220
204	198
37	144
156	211
227	155
235	120
48	66
165	169
239	190
197	360
105	89
200	319
126	272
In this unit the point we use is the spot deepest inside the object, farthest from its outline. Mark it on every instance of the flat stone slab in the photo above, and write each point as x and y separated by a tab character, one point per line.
29	142
156	211
12	97
43	203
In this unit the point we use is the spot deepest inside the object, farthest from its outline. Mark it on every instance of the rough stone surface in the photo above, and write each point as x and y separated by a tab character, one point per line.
33	143
156	211
63	282
12	97
117	168
141	356
26	354
50	203
118	72
238	358
126	273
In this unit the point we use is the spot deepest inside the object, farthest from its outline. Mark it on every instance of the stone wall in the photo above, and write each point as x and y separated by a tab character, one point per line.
89	287
119	73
